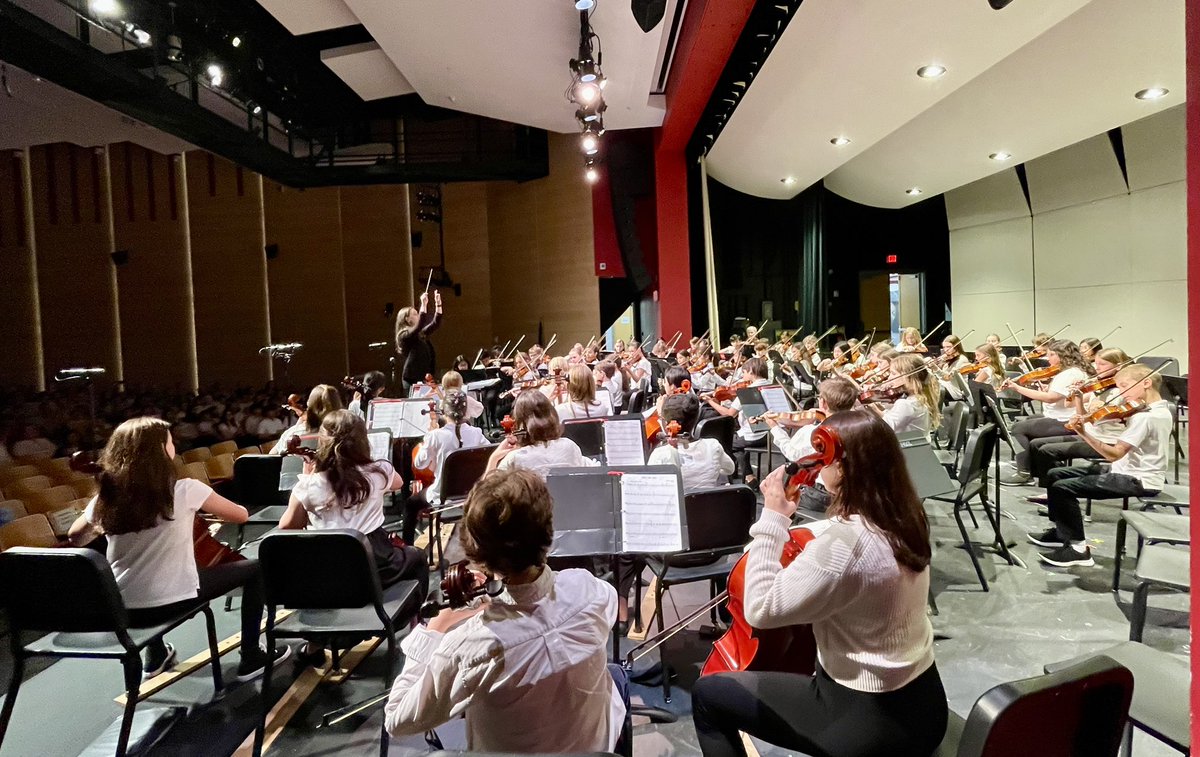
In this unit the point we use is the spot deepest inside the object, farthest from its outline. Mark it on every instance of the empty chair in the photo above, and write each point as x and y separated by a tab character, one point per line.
266	447
1159	565
87	620
245	451
223	448
28	485
29	531
637	401
972	483
11	509
84	487
14	473
198	455
460	471
196	470
49	500
1079	711
588	434
954	423
219	467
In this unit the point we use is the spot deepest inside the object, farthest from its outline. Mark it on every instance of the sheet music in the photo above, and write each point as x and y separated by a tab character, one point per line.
623	442
475	386
381	444
650	520
402	417
775	398
419	391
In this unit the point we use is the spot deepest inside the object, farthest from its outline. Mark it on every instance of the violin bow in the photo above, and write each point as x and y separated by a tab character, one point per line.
515	346
932	331
1024	360
674	341
478	355
1119	395
503	350
758	330
429	281
553	339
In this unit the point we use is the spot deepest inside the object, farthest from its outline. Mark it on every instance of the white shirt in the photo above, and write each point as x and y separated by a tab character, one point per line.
529	671
541	457
907	414
867	611
1061	385
39	448
642	366
437	446
702	463
744	422
313	491
157	566
271	426
570	411
1148	433
796	446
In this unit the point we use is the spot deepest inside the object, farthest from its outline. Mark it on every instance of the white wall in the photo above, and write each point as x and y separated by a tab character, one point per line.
1096	251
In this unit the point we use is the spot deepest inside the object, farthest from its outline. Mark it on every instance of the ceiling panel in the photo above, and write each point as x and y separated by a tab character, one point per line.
1155	149
1075	175
367	70
307	16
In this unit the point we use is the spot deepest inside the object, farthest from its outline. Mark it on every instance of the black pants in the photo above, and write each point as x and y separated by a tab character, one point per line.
413	505
1067	485
1034	428
741	458
818	716
216	581
1052	452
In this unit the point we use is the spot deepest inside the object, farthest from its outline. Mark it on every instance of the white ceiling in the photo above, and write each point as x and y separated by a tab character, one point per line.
39	112
501	60
1030	79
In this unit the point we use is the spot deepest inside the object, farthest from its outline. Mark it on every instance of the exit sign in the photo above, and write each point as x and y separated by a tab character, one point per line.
891	259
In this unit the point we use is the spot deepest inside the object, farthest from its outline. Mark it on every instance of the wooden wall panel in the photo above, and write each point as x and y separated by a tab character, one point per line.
75	274
224	208
306	284
377	259
469	317
542	258
19	341
154	286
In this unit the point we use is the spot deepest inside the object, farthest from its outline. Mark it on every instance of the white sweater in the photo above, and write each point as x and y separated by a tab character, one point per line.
867	611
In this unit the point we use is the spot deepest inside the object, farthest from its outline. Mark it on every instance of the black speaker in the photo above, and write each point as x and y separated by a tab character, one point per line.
120	257
648	13
417	238
272	251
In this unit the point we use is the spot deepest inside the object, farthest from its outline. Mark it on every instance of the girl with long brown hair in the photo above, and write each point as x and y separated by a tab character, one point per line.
538	443
322	400
581	396
147	514
862	583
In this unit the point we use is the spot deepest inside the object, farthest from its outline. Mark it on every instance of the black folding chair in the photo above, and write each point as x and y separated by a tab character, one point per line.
636	402
71	595
721	428
588	433
342	600
1076	712
460	471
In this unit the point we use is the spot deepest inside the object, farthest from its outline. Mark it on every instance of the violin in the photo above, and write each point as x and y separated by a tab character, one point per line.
794	419
1039	374
1095	386
296	404
509	424
295	446
355	385
207	550
727	392
1118	412
882	395
966	370
791	649
460	586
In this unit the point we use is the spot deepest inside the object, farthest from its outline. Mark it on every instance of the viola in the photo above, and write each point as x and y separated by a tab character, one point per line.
509	425
791	649
207	550
794	419
881	395
1118	412
424	475
1039	374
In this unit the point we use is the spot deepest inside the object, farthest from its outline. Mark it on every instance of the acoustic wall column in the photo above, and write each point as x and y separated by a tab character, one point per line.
106	200
20	340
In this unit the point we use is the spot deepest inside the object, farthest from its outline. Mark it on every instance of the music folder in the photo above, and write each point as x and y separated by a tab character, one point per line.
403	417
617	510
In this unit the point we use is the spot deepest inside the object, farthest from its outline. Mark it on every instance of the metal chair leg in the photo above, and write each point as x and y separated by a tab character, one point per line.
1137	619
1120	551
962	529
14	686
133	683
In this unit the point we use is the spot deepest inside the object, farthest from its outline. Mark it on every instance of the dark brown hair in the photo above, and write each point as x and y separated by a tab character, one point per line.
533	412
508	521
683	408
876	486
137	479
322	400
344	455
1069	355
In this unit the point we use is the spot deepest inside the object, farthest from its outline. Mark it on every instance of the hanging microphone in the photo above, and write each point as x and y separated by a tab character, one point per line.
80	371
282	347
377	345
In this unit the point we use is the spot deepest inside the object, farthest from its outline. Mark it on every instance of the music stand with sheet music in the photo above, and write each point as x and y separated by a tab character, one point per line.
928	475
611	439
614	511
1176	389
770	398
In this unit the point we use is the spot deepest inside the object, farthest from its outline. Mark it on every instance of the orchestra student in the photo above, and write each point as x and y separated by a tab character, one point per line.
374	383
910	341
863	584
147	515
528	669
755	372
918	409
322	400
834	395
1139	467
581	396
992	373
538	444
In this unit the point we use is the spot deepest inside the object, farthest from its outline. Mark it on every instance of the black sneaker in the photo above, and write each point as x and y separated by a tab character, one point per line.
1069	557
1039	500
252	666
314	658
152	667
1048	538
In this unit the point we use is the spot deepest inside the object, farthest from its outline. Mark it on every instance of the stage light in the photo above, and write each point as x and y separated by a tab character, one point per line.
215	74
586	93
1000	155
913	191
1153	93
141	36
591	174
839	141
589	143
174	48
586	70
105	7
788	180
236	41
257	109
932	71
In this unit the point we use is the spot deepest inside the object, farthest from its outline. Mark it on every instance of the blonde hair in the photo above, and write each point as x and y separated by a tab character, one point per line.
452	380
322	401
581	384
1136	372
994	360
920	384
910	332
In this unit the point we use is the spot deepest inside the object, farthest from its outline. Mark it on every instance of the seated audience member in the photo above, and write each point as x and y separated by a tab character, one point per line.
537	443
1139	468
322	401
147	515
581	396
528	668
33	445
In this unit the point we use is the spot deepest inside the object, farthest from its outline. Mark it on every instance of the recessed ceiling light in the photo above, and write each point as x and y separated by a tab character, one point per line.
1152	93
932	71
788	180
839	141
236	41
1000	155
584	5
913	191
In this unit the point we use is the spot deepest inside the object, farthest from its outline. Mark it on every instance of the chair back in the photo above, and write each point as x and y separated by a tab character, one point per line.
197	470
198	455
462	468
221	448
954	423
28	485
637	401
256	481
49	500
10	510
588	434
977	452
719	518
28	531
219	467
322	569
721	428
1076	712
70	590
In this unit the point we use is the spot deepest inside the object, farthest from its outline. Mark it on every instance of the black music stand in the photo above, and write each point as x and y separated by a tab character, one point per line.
590	517
1176	388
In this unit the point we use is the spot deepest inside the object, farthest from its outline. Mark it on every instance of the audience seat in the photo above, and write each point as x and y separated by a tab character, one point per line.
266	447
219	467
197	470
49	500
30	531
246	451
198	455
223	448
14	473
29	485
84	487
11	509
